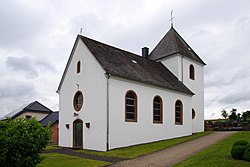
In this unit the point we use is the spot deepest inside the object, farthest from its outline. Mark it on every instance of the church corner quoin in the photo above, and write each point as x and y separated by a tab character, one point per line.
111	98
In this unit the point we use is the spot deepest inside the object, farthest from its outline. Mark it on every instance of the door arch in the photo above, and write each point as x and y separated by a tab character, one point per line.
78	134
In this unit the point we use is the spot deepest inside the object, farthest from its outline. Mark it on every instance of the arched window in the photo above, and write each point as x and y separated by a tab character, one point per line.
157	110
78	101
78	68
130	106
178	113
193	113
191	72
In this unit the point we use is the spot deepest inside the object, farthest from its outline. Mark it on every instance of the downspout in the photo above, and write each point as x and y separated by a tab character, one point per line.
107	139
182	68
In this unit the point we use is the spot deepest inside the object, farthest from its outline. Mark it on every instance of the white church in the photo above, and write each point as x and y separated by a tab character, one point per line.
111	98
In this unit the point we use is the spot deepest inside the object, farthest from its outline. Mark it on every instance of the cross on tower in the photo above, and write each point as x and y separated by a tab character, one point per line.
81	31
172	18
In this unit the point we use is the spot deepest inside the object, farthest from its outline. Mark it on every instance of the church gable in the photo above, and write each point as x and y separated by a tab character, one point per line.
171	44
79	64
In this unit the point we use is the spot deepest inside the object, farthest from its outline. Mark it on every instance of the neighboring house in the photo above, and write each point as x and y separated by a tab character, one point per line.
32	110
111	98
52	119
41	113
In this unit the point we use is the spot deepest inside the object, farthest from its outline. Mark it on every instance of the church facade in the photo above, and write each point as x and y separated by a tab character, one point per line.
111	98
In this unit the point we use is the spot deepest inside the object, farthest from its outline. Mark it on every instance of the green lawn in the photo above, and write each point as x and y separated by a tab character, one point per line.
61	160
135	151
52	147
219	155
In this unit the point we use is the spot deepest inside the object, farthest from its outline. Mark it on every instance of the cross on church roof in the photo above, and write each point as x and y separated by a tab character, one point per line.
172	18
81	31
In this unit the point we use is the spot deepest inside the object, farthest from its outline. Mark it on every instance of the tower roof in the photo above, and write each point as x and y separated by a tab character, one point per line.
171	44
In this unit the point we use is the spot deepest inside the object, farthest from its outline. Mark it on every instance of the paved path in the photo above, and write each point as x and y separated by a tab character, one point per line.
173	155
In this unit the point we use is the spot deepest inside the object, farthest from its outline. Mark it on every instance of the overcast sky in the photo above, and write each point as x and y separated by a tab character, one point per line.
36	38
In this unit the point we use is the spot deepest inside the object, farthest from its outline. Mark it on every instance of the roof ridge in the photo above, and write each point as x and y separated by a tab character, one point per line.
31	104
117	48
114	47
175	43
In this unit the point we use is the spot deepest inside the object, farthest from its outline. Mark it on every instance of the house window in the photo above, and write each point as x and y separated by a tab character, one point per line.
78	68
157	109
193	113
27	116
191	72
178	113
78	101
131	107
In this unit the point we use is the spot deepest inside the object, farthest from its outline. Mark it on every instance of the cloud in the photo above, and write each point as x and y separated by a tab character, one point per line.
44	66
22	65
14	94
213	114
16	20
17	90
37	37
235	98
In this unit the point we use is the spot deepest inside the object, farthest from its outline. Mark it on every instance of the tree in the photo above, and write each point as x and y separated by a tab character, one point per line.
21	141
233	115
224	114
246	115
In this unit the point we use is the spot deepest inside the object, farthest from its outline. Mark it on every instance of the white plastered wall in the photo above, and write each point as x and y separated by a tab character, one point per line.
124	133
92	83
39	116
173	63
196	86
179	66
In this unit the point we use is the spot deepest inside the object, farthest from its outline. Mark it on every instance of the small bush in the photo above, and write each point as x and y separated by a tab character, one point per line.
241	143
238	151
247	153
21	141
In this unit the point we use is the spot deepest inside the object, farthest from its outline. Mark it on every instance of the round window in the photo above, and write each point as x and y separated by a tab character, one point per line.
78	101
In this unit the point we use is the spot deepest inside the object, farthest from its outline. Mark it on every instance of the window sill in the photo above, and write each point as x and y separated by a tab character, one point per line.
130	120
157	122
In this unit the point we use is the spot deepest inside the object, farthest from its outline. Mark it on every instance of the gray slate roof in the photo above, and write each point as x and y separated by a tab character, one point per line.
127	65
50	119
32	107
171	44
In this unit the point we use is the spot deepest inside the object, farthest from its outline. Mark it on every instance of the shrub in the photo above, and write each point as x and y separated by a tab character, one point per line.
21	141
247	153
238	151
241	143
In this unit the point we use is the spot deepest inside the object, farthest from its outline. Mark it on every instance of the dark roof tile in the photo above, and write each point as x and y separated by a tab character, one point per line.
50	119
32	107
124	64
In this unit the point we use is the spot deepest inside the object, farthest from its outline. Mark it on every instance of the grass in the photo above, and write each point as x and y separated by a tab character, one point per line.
139	150
219	155
61	160
52	147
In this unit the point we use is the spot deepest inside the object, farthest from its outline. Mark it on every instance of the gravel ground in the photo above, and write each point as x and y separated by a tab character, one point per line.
173	155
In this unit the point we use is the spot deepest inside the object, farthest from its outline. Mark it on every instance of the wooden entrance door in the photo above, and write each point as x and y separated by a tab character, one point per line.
78	134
